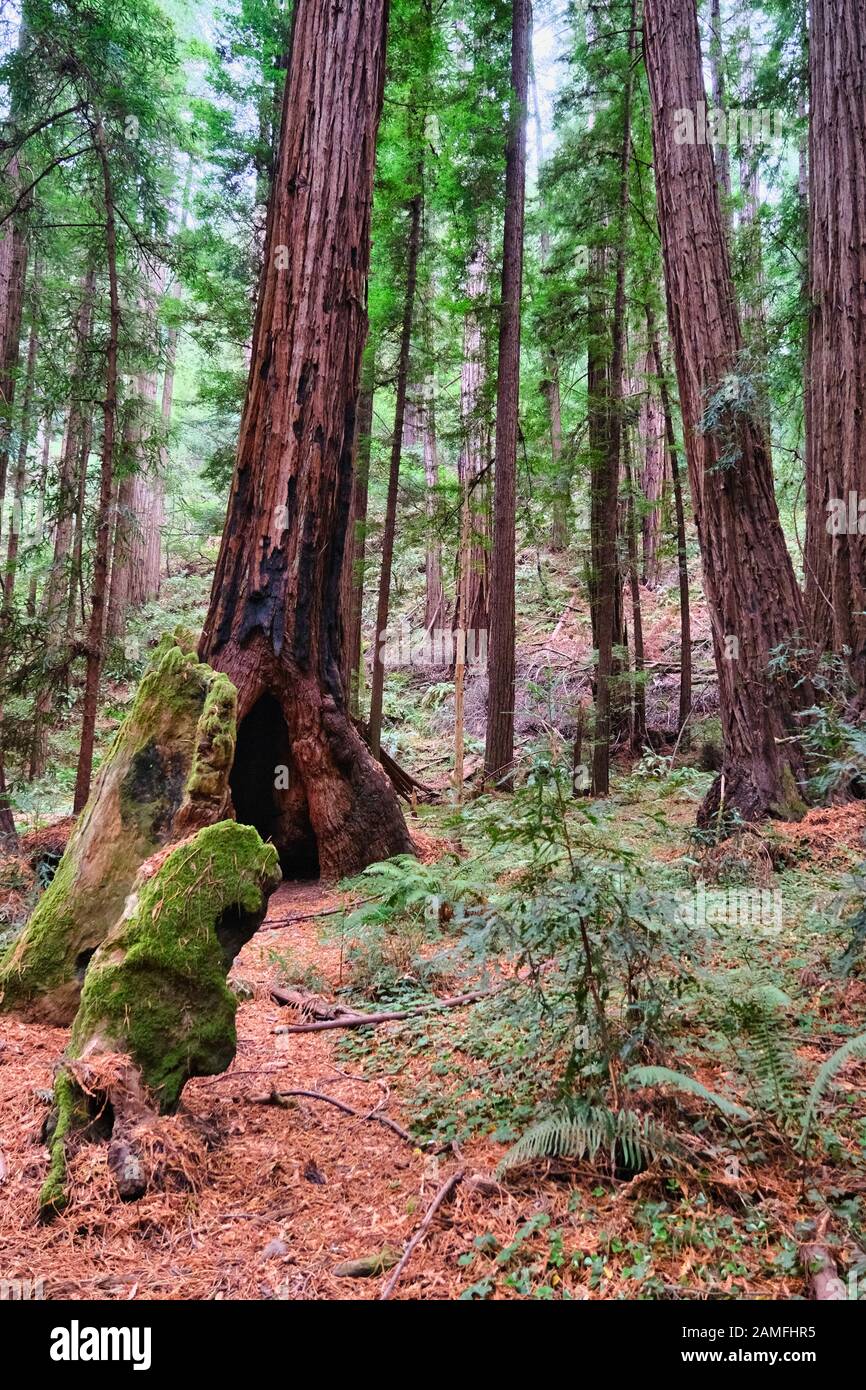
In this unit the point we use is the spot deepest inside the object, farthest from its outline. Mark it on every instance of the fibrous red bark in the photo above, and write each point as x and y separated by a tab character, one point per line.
302	774
755	605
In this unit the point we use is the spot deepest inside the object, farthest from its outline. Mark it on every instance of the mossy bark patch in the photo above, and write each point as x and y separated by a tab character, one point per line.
165	775
156	989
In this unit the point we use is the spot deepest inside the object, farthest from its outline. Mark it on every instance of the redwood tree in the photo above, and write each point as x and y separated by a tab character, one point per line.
302	774
755	605
836	370
499	750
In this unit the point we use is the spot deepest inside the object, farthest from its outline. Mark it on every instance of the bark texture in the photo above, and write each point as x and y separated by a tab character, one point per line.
836	368
755	605
275	624
499	747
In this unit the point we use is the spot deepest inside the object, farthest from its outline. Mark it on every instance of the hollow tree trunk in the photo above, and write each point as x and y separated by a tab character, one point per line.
303	775
836	374
499	746
755	606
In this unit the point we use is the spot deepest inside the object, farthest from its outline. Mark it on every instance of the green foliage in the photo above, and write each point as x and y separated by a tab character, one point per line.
631	1141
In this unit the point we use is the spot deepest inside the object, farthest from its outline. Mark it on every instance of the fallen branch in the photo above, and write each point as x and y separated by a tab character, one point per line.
275	1097
441	1196
824	1282
350	1020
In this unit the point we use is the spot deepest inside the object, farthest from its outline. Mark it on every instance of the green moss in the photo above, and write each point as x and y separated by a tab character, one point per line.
157	989
165	773
52	1195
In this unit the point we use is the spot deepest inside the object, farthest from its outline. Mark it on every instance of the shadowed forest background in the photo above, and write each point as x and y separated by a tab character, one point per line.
433	648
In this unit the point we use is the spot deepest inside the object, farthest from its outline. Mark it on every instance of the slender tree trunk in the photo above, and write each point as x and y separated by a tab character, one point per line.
499	750
57	583
717	65
39	517
95	633
652	478
550	387
356	546
638	727
434	605
755	606
302	774
474	460
13	543
608	475
836	377
377	687
680	515
13	275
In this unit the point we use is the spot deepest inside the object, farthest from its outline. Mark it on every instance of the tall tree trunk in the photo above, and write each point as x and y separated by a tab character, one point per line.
138	524
836	377
755	606
550	386
356	543
302	774
377	687
499	749
39	517
638	727
57	583
680	515
652	477
95	633
717	66
607	478
13	274
19	488
473	461
434	604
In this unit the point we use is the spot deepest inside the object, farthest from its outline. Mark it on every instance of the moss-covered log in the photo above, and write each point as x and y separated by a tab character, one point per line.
155	1007
165	775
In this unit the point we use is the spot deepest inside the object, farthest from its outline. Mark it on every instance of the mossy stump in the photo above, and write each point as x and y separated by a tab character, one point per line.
155	1006
165	775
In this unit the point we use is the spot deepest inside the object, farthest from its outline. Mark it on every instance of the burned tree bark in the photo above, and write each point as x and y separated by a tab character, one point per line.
755	606
303	776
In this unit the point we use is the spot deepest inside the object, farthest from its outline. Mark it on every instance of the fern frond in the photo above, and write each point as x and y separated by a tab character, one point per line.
663	1076
584	1133
854	1047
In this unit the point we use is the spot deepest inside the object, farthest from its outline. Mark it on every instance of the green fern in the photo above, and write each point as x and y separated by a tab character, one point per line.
854	1047
663	1076
769	1061
585	1132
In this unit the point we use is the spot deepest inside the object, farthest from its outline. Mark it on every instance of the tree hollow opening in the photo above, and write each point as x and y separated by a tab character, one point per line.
267	792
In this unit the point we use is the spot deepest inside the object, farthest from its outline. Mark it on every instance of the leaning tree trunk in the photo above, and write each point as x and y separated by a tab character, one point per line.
836	371
499	746
755	606
303	776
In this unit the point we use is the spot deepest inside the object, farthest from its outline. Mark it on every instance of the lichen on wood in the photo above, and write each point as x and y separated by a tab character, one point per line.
165	775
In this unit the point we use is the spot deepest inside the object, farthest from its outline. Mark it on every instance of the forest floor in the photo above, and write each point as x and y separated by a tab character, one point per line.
275	1197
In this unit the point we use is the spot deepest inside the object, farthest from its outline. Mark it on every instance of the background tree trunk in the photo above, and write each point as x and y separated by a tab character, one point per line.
836	371
499	748
755	605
